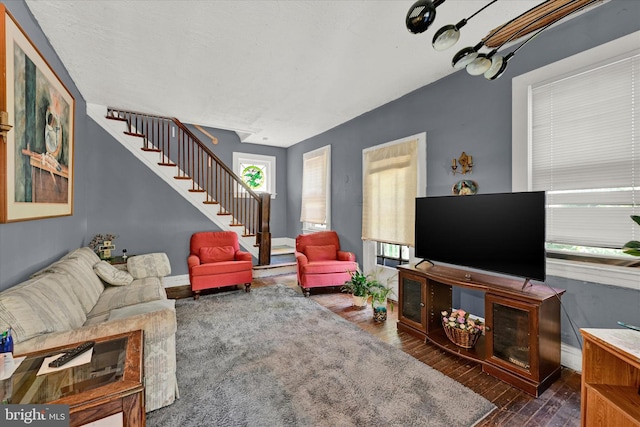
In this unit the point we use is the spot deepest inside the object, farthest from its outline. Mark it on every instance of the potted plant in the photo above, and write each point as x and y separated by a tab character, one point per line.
379	294
358	286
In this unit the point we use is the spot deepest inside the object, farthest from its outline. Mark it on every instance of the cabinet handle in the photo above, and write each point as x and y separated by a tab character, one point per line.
421	304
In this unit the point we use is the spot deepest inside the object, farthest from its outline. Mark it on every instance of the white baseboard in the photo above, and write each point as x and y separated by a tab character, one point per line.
283	241
571	357
172	281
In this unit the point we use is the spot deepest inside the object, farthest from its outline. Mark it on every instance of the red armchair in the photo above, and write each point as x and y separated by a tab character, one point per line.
215	260
320	261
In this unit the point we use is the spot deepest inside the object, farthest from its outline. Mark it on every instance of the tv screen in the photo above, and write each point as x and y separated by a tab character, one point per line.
502	232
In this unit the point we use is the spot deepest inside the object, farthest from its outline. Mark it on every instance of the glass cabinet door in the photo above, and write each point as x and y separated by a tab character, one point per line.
510	323
412	301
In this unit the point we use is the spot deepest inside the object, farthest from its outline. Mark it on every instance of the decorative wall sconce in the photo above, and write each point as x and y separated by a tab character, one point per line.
465	161
4	125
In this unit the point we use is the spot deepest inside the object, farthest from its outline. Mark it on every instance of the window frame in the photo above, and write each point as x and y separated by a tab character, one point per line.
311	227
269	163
521	153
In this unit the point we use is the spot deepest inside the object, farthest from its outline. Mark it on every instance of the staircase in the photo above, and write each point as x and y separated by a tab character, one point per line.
171	150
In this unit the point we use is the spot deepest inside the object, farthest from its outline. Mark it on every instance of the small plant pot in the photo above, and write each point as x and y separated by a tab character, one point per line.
359	302
379	311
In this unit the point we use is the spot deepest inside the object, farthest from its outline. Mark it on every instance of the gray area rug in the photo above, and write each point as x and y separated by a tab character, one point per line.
274	358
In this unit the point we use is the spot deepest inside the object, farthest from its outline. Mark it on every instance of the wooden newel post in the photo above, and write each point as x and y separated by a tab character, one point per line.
264	235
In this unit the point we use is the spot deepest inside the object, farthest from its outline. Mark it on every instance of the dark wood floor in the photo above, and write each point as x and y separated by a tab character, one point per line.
558	406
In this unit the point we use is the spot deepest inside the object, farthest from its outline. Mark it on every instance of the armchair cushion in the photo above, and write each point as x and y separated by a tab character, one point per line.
321	253
221	267
216	253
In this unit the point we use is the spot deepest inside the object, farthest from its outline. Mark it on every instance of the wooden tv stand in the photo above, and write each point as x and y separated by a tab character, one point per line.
521	345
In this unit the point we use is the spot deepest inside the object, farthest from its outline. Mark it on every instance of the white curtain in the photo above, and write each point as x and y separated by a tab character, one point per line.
389	192
585	130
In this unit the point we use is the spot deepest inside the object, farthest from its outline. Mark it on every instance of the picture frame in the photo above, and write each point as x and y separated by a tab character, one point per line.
37	153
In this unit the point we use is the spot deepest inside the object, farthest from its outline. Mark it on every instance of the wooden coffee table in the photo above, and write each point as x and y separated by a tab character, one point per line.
111	385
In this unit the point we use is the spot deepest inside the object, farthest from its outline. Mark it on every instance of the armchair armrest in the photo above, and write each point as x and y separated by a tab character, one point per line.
346	256
243	256
192	261
301	259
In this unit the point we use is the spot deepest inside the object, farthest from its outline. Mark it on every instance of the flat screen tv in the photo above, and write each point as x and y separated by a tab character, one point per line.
502	232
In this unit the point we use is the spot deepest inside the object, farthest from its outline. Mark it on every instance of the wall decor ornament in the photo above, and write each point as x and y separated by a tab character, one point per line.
36	157
466	164
466	187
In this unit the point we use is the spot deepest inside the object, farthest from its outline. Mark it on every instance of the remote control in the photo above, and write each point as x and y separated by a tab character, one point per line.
72	354
626	325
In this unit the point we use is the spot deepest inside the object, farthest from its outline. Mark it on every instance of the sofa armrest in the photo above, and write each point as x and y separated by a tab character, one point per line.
243	256
346	256
301	259
149	265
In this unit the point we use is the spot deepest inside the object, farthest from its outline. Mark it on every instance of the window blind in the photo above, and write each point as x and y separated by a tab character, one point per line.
389	192
584	152
315	188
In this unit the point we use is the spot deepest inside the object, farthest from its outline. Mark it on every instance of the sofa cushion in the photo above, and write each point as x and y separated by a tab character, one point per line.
85	283
85	253
320	253
121	296
53	301
146	307
149	265
217	253
112	275
17	312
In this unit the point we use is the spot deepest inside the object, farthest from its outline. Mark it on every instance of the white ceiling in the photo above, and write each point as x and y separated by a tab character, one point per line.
277	72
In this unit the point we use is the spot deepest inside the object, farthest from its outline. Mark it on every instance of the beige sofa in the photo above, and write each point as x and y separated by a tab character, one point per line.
80	297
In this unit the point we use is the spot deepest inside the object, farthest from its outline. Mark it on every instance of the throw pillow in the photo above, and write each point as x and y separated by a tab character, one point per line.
149	265
321	253
217	253
112	275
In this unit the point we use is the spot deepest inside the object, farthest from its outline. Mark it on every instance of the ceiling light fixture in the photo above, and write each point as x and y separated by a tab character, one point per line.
483	62
499	63
421	15
449	35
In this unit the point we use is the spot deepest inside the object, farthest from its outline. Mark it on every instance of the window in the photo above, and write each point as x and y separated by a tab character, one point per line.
575	136
257	171
393	175
315	212
390	255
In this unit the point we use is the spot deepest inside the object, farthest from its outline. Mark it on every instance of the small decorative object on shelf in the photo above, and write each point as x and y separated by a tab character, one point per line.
102	244
460	329
124	254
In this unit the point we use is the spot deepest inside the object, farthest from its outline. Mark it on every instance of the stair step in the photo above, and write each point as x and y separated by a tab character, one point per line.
166	164
139	135
210	202
120	119
152	150
223	213
236	224
195	190
182	177
250	235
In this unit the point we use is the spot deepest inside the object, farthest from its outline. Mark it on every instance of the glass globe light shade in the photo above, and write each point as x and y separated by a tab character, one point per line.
479	65
420	16
446	37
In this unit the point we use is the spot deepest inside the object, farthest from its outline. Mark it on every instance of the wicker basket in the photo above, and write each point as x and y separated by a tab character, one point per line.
461	338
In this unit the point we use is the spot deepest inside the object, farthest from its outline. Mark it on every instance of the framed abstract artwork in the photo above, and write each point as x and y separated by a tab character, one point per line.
36	154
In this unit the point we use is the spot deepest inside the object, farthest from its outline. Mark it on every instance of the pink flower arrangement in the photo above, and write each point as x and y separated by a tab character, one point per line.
460	319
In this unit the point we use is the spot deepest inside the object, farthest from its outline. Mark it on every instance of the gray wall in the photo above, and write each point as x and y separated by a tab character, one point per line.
26	246
114	193
465	113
